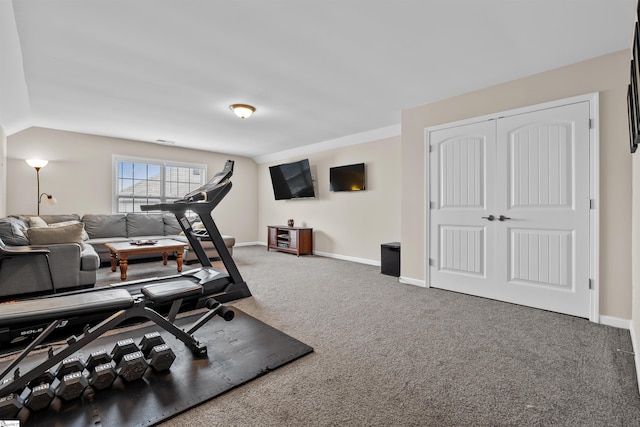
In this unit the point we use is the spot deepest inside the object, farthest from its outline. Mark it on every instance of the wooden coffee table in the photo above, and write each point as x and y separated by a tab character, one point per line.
120	252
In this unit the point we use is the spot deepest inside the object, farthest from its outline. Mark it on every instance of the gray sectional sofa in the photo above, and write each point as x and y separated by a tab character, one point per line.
76	247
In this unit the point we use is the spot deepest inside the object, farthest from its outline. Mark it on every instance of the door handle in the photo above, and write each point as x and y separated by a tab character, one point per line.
503	218
490	217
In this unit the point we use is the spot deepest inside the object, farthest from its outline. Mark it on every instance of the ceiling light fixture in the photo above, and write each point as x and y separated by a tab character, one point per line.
242	110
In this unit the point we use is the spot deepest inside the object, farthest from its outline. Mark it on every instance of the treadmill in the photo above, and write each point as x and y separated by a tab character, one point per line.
223	286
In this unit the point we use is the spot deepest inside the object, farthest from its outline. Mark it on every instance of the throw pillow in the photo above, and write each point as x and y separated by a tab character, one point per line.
36	221
55	235
85	236
12	232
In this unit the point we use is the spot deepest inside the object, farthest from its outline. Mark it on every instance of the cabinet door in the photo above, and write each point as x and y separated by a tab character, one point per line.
293	239
273	236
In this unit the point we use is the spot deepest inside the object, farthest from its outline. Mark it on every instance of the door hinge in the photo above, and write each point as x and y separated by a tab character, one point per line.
592	203
431	263
431	205
590	284
429	149
590	123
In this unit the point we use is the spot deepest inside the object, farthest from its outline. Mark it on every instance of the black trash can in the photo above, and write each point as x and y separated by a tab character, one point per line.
390	259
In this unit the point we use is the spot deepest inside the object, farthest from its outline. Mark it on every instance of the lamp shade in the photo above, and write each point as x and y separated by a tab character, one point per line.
242	110
37	163
49	199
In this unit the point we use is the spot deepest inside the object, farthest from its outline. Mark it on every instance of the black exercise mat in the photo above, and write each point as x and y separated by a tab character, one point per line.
238	351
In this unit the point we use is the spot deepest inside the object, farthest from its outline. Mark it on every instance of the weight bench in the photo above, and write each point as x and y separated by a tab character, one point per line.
122	306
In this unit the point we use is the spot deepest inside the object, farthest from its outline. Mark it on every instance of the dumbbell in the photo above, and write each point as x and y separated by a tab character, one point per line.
72	380
123	347
130	361
10	405
149	341
70	365
101	371
42	392
158	353
72	386
96	358
132	366
161	357
102	376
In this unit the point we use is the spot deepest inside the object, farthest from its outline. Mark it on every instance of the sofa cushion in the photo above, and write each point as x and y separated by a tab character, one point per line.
144	224
53	219
171	225
53	235
12	231
114	225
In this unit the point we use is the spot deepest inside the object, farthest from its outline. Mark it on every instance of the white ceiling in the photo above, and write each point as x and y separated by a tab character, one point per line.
315	70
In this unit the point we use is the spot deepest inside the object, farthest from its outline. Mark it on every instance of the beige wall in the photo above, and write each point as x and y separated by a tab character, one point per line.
349	224
79	175
607	75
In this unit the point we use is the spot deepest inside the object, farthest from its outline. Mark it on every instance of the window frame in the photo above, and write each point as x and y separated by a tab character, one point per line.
116	159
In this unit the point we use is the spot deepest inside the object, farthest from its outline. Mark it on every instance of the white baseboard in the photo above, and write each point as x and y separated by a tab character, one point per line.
250	244
616	322
636	352
348	258
329	255
415	282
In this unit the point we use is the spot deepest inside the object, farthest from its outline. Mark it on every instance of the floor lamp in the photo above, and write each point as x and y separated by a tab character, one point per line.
38	164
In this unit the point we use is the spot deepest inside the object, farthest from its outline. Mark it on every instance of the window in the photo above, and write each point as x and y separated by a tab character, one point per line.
146	182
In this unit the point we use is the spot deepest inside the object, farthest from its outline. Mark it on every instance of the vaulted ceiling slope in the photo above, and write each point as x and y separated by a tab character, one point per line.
315	70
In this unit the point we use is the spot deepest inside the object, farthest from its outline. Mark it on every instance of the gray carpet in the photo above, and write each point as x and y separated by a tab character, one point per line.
388	354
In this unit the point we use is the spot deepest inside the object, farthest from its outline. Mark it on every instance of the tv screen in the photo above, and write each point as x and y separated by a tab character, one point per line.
292	180
347	178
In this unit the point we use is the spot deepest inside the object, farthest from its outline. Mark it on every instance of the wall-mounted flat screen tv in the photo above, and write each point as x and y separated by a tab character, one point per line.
347	178
292	180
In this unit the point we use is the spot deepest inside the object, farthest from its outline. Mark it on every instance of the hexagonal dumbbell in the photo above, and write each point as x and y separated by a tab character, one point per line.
40	397
70	365
123	347
72	386
96	358
102	376
10	405
161	357
149	341
132	366
42	392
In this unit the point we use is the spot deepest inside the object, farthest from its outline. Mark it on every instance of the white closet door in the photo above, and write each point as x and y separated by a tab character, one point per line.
543	162
530	173
462	168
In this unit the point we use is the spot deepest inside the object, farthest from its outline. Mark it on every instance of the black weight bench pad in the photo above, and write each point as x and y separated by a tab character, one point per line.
170	291
64	306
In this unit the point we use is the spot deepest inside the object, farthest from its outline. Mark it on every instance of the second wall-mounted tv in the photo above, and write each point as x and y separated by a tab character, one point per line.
292	180
347	178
